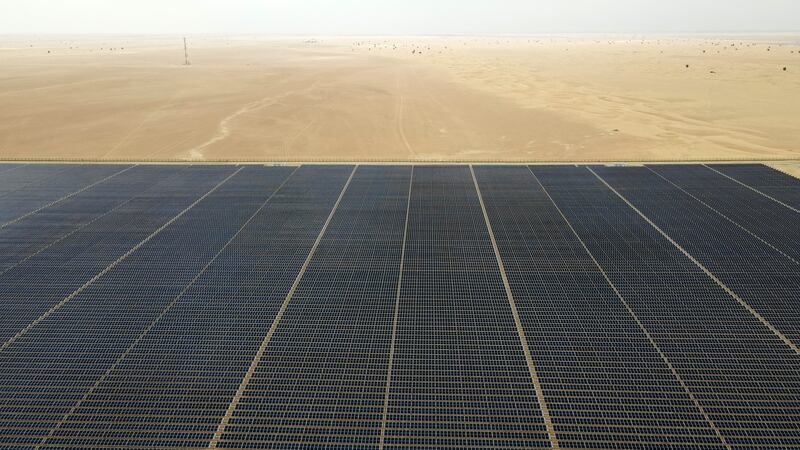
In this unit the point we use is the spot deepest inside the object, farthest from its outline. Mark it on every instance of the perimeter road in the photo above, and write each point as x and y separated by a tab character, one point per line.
160	316
68	196
114	264
752	189
752	311
396	316
548	422
265	343
722	215
635	317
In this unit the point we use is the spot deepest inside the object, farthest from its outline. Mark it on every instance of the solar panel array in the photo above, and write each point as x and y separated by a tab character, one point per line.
195	307
767	181
459	378
748	241
604	379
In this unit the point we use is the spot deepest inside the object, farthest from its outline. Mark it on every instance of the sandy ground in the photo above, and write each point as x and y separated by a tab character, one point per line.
792	168
587	98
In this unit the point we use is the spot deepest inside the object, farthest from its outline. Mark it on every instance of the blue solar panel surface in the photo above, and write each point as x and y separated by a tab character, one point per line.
603	377
777	185
340	306
459	376
741	373
749	242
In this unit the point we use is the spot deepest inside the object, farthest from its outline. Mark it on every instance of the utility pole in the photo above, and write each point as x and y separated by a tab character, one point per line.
186	52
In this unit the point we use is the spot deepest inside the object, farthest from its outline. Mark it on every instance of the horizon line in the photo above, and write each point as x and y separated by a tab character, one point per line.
304	34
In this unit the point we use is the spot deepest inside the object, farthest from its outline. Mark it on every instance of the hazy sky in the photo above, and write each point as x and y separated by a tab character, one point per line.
395	16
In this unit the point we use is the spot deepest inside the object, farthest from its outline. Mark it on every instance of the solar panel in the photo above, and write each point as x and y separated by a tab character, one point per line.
322	379
34	286
603	378
762	218
19	176
740	372
745	240
34	233
202	307
459	376
173	384
27	200
778	185
103	317
6	167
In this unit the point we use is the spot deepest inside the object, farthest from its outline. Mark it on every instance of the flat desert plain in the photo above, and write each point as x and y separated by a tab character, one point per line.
534	98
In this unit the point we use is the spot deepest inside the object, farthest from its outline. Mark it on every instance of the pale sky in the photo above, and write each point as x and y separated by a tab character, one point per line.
348	17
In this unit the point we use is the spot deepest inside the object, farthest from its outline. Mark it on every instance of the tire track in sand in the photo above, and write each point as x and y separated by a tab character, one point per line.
399	113
224	128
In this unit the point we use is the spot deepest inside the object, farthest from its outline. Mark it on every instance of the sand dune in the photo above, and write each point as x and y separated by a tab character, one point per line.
401	99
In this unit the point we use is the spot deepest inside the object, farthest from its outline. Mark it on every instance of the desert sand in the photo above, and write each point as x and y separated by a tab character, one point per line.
514	99
791	168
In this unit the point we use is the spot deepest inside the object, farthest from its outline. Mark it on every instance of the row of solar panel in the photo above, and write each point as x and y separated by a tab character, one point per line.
341	307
